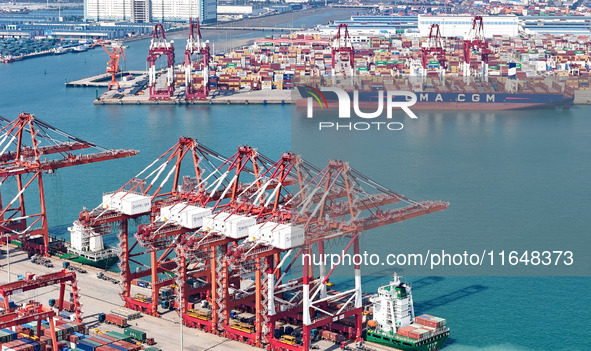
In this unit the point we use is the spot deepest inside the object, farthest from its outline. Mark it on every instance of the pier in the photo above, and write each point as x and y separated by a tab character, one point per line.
268	29
218	97
102	80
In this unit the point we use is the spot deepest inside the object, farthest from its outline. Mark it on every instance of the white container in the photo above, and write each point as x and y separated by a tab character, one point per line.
237	226
262	233
185	215
113	201
127	203
133	204
192	218
216	222
288	236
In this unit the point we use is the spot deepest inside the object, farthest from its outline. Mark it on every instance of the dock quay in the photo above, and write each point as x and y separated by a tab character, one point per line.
101	296
102	80
217	97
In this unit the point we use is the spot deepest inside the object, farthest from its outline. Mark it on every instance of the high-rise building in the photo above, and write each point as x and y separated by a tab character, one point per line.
150	10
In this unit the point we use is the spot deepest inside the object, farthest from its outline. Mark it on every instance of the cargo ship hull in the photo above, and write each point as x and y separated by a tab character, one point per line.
104	263
434	101
396	341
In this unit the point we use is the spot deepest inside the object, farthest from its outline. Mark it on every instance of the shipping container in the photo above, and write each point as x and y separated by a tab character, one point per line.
117	320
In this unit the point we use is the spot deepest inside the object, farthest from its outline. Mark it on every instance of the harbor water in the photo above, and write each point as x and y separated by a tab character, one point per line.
512	160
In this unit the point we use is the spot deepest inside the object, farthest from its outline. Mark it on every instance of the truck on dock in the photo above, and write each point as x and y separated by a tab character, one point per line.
138	335
116	320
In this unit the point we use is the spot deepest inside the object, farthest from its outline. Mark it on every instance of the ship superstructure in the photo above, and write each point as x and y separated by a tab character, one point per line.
394	323
393	306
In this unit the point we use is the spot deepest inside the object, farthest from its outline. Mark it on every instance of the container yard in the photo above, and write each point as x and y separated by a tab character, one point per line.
275	64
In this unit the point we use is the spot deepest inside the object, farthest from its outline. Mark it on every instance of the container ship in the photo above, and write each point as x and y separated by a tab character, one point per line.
394	323
455	94
86	247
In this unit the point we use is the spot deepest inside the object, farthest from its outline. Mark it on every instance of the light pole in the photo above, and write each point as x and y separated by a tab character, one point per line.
180	310
8	257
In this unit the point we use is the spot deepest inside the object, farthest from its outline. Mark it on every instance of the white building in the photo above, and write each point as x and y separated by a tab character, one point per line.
244	10
150	10
460	25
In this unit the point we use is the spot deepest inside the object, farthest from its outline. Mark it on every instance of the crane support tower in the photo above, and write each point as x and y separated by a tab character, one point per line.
342	52
33	311
115	55
196	46
32	147
160	46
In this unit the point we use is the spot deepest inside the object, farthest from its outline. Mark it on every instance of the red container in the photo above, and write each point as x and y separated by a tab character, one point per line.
99	341
404	331
127	345
110	338
114	319
68	306
414	335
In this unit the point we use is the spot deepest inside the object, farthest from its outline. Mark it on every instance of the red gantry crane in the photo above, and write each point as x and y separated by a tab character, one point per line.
434	48
117	53
160	46
339	202
253	236
476	40
144	195
196	88
200	254
232	234
210	189
33	311
342	52
30	146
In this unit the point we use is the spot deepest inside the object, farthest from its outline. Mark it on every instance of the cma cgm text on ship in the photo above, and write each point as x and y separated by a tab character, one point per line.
394	100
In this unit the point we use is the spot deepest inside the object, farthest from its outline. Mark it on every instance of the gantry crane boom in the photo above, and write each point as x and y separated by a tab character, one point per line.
32	146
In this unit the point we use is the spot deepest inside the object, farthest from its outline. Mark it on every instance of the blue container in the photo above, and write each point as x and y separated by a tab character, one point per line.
117	347
85	346
12	333
142	284
30	342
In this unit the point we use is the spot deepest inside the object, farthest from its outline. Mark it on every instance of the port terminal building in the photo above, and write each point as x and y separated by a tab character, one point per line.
460	25
145	11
